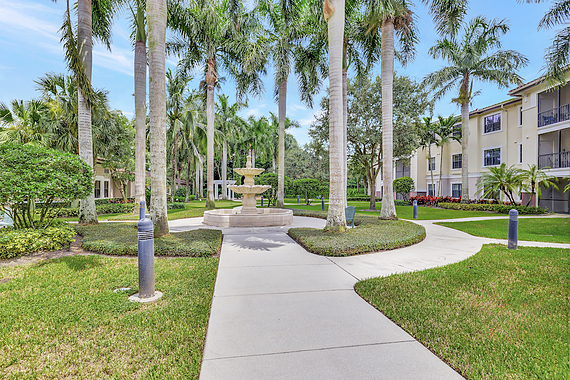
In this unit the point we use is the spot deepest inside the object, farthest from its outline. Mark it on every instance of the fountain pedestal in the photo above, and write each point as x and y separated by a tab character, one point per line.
248	215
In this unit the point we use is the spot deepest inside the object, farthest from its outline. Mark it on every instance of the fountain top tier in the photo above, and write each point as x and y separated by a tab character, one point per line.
249	172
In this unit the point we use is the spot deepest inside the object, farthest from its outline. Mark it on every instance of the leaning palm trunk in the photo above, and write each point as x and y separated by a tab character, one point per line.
281	160
388	210
156	21
464	158
140	121
224	168
87	214
334	13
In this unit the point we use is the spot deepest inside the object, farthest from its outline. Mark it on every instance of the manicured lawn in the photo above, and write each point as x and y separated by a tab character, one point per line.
405	212
122	239
553	230
370	235
501	314
61	319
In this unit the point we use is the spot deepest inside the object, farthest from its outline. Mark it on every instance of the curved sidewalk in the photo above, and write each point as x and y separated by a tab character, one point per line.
280	312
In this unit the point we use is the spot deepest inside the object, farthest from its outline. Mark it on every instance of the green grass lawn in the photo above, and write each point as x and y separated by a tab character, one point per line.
553	230
405	212
61	319
501	314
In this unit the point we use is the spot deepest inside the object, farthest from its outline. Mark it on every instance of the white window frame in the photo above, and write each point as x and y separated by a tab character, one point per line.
451	161
433	189
492	148
500	123
434	163
520	116
456	183
519	153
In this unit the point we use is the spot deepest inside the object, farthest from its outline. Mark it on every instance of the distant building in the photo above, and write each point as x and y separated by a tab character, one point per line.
533	127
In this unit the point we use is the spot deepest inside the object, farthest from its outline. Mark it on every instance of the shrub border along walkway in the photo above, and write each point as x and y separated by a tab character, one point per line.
370	235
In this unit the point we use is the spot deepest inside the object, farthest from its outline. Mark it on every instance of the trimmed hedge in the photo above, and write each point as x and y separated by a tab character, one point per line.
361	198
121	239
105	201
500	208
175	206
14	243
371	235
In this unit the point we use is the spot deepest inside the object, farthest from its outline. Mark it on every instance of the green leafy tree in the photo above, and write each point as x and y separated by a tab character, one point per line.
507	180
476	56
25	123
403	186
33	175
534	179
307	187
271	179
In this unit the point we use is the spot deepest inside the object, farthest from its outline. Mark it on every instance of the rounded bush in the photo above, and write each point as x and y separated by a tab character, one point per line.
14	243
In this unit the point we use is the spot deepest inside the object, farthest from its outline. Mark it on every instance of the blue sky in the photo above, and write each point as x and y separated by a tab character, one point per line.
30	47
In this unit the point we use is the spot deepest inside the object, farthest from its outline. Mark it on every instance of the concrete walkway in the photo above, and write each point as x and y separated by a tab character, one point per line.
280	312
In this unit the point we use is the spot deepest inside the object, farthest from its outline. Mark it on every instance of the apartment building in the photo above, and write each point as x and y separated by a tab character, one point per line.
532	127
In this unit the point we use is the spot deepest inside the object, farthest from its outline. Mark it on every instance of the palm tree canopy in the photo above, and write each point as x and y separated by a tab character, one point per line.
475	57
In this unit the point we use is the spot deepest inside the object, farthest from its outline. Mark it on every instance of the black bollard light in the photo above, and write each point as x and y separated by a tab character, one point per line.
323	203
513	228
197	198
415	203
262	201
146	292
297	199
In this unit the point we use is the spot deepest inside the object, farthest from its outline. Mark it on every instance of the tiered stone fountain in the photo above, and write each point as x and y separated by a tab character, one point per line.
248	215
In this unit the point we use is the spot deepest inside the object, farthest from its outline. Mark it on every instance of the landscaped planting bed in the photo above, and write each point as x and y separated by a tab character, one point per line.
501	314
61	319
370	235
122	239
14	243
500	208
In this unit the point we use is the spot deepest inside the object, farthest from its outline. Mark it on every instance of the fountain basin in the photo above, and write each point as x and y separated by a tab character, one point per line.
261	217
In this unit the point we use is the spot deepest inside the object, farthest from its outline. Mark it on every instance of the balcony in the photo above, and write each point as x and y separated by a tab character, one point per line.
554	160
554	115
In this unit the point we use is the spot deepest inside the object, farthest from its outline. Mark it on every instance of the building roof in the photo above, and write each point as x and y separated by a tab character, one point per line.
517	90
507	102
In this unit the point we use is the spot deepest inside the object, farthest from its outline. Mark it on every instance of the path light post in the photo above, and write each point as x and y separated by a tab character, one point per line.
322	203
415	209
262	201
513	228
146	260
297	199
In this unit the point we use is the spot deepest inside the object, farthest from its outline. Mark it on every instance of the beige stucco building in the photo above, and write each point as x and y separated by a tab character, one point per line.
532	127
105	186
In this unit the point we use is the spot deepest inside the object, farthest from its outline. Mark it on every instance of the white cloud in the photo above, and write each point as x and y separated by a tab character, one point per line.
118	59
17	17
255	112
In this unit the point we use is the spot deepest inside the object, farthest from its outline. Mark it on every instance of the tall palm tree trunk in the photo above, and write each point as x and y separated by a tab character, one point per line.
88	214
440	186
156	21
281	159
187	180
140	121
210	83
388	210
197	183
174	160
224	169
344	130
464	153
431	171
334	13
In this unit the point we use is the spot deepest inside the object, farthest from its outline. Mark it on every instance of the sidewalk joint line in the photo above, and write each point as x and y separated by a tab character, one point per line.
315	349
292	292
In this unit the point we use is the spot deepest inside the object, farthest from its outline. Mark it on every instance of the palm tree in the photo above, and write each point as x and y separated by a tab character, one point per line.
474	58
156	11
445	129
25	124
228	123
222	36
426	134
390	17
534	179
503	179
334	14
192	132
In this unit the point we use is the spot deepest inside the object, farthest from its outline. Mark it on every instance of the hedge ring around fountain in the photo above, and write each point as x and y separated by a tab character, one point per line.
248	215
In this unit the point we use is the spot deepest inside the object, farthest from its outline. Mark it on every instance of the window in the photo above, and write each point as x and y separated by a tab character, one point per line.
97	189
492	123
457	131
520	154
431	164
492	157
456	161
430	189
106	171
106	189
520	116
455	190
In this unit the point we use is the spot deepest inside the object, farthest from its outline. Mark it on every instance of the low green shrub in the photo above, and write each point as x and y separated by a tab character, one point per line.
361	198
175	206
371	235
105	201
499	208
121	239
14	243
107	208
401	202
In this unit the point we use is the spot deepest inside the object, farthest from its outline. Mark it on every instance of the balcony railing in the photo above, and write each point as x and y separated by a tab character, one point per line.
554	115
554	160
